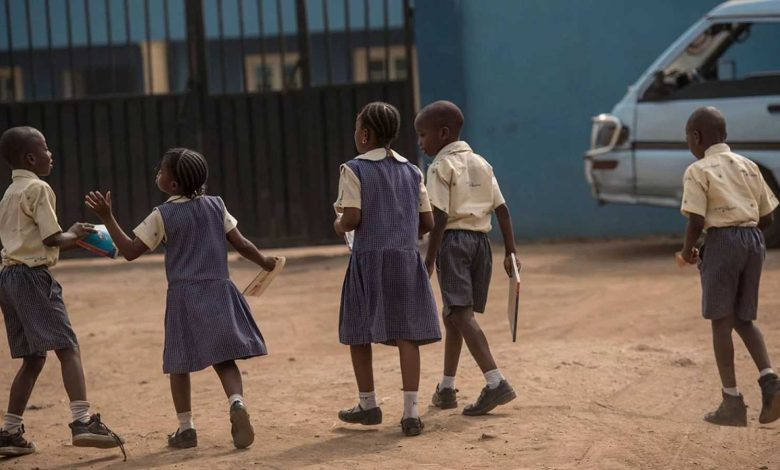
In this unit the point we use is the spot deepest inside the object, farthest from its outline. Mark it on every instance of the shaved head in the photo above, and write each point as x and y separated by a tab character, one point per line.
710	122
442	114
16	142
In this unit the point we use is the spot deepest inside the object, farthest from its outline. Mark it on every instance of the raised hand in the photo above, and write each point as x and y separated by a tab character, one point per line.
100	204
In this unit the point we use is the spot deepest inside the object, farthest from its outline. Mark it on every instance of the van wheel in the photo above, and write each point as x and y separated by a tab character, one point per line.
772	233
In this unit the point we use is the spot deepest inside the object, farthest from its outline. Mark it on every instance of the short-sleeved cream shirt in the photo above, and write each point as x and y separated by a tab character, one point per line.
462	184
726	189
349	184
27	217
152	230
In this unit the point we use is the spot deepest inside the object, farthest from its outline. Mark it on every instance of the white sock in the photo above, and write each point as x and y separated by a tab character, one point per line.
185	421
367	400
447	382
79	409
12	423
733	391
766	371
493	378
234	398
410	405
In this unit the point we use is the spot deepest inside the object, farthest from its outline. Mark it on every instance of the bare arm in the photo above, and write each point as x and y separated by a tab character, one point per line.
248	250
434	241
129	248
692	233
348	221
426	223
505	223
67	240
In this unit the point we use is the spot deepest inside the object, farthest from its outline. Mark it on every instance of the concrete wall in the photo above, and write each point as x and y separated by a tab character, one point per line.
529	75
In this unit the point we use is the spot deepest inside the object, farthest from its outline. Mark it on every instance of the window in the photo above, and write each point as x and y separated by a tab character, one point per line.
266	75
11	84
727	60
374	68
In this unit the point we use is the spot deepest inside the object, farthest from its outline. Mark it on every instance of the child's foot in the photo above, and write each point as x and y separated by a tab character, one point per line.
412	426
241	428
94	433
491	398
770	394
445	398
15	444
358	415
731	412
183	439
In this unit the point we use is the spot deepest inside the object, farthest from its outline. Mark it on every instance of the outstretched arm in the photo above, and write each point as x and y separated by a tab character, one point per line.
248	250
67	240
434	241
505	223
129	248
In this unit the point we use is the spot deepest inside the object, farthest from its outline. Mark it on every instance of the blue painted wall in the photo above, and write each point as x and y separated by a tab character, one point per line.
529	74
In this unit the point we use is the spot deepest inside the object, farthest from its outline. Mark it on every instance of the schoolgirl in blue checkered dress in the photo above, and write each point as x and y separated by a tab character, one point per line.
386	297
207	320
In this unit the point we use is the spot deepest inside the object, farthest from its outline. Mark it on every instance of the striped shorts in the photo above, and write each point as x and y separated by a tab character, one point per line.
464	267
730	266
35	316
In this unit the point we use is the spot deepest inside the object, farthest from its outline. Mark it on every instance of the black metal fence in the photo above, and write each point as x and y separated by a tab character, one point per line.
266	89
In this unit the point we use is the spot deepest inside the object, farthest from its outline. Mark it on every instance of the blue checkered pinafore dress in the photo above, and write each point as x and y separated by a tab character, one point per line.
207	320
386	294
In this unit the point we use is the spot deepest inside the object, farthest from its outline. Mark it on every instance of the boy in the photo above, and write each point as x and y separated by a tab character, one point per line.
31	300
463	193
725	195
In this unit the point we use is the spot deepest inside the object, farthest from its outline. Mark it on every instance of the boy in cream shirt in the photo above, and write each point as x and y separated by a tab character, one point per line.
725	195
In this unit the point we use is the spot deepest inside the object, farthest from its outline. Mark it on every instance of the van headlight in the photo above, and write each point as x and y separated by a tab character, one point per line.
607	133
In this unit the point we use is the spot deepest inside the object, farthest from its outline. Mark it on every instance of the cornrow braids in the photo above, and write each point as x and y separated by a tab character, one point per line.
189	169
383	119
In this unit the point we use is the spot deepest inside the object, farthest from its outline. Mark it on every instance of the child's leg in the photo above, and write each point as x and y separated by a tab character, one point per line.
754	342
466	324
185	436
72	374
409	353
21	389
453	342
724	350
180	391
230	376
362	364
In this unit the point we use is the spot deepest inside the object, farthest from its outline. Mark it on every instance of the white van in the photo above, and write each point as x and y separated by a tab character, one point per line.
729	59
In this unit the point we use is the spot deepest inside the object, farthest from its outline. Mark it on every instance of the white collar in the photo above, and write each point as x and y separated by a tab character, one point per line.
380	154
178	199
716	149
19	173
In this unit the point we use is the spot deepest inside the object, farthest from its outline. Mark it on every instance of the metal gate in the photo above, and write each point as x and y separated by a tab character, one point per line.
267	89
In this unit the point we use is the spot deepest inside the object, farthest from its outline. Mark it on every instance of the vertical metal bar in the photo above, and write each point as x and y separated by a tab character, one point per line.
408	15
128	49
197	85
261	34
303	42
221	29
147	25
242	44
367	38
90	71
109	32
10	50
30	53
52	80
280	26
70	51
326	33
350	77
387	39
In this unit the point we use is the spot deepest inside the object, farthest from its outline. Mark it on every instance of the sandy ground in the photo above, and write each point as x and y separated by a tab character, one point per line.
613	369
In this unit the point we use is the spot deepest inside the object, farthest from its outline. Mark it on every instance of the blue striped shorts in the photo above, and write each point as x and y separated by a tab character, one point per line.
35	316
464	267
730	266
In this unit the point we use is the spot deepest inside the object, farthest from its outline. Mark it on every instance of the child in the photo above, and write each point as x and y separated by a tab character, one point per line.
463	193
386	296
725	195
31	299
207	320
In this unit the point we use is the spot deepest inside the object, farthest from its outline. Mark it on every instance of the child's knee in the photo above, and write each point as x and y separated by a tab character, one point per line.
68	354
743	325
34	364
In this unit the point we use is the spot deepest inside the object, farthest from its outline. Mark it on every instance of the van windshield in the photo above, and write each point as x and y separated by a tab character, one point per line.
728	59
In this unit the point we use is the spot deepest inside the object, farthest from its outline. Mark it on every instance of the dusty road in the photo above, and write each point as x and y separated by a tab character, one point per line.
613	369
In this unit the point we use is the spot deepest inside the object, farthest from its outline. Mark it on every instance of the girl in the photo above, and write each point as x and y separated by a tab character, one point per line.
207	320
386	297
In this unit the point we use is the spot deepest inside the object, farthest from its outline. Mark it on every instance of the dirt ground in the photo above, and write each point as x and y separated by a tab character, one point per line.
613	369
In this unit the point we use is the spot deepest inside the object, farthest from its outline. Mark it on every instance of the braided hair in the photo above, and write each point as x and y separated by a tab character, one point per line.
383	119
189	169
